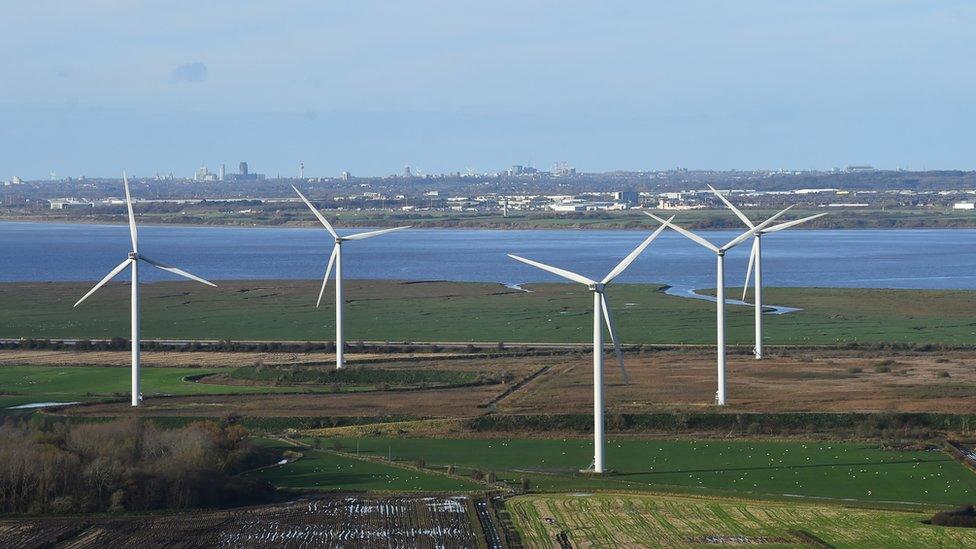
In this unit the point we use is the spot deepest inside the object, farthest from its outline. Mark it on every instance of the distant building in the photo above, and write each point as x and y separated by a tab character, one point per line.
518	169
203	174
859	169
677	204
345	176
243	174
406	172
562	169
223	171
964	206
627	197
70	204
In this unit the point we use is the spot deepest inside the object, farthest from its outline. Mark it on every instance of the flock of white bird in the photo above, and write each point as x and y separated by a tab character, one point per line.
602	312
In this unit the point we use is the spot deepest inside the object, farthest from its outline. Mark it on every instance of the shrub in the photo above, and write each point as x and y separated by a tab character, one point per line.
525	484
491	477
477	475
882	368
450	469
854	370
944	374
964	516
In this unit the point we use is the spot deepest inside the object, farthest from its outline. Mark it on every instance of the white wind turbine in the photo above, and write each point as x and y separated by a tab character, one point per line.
601	314
133	260
336	259
719	288
755	262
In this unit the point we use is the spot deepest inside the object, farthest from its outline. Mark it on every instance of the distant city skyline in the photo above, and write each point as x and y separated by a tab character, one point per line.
371	87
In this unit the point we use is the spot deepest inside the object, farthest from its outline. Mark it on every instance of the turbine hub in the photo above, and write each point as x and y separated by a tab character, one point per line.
598	288
133	255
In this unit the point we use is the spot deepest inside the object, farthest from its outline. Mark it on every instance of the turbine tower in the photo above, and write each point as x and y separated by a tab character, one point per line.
133	260
755	262
336	259
601	314
719	288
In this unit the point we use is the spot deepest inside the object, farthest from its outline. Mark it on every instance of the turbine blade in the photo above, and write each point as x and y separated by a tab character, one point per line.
758	228
175	270
328	271
633	255
111	274
612	327
686	232
752	258
793	223
132	217
318	214
371	234
555	270
735	210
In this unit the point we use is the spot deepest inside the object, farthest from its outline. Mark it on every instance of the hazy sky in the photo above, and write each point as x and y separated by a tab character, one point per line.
96	86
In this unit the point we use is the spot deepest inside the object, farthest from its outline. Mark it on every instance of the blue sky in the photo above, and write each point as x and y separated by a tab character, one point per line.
97	86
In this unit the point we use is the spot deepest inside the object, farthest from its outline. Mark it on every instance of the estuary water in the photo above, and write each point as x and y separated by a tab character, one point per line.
929	258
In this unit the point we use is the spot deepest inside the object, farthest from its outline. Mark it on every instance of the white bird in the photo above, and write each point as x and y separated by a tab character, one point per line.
133	261
336	259
601	313
755	262
719	287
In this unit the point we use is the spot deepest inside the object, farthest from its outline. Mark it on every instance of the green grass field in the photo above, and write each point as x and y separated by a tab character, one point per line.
28	384
323	470
627	520
394	311
792	470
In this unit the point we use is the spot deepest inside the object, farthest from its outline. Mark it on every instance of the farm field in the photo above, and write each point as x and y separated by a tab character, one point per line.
28	384
79	377
794	470
678	380
328	471
343	521
628	520
462	312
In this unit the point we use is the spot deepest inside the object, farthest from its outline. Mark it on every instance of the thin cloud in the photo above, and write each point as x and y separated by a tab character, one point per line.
190	72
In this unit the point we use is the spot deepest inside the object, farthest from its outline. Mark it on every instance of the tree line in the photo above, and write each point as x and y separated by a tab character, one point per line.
126	465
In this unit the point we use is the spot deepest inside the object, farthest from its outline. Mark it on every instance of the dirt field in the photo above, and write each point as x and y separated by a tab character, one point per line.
806	382
315	522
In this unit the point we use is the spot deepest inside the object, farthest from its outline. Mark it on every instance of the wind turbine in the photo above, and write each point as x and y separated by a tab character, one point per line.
755	260
719	287
336	259
601	314
133	261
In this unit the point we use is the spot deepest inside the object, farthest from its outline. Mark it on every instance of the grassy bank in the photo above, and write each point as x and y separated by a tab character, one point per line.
447	311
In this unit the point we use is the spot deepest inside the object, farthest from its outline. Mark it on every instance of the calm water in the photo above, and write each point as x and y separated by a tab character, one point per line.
857	258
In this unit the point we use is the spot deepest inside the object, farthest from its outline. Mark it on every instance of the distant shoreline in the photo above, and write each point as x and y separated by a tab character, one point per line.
696	220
